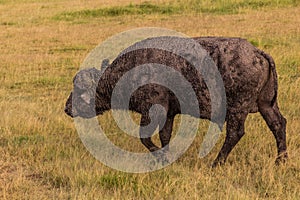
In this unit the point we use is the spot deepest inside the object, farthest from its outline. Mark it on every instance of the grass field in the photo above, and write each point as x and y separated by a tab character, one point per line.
42	46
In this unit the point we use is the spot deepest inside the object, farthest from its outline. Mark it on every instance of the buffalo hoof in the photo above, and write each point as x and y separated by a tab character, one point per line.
281	159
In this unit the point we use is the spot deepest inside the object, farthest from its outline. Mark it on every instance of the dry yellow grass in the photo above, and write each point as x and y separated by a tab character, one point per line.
41	154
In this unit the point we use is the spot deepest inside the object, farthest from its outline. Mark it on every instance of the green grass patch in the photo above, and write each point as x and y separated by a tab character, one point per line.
8	23
27	139
218	7
56	180
67	49
268	43
131	9
111	181
290	68
3	142
16	85
49	81
236	6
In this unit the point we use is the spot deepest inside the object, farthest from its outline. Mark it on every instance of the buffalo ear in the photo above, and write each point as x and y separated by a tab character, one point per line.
83	79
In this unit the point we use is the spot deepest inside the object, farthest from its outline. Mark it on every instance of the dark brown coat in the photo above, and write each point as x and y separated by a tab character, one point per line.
249	77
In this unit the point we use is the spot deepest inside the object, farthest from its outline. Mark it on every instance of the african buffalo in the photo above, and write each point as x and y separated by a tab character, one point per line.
248	74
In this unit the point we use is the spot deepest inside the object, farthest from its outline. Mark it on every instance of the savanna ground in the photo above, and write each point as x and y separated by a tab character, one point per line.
42	46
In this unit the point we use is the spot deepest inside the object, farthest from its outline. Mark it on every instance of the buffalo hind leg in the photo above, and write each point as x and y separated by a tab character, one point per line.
277	124
234	132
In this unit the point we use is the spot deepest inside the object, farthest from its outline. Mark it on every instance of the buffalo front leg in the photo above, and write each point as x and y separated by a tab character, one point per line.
166	132
234	132
277	123
164	135
146	131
